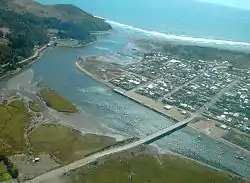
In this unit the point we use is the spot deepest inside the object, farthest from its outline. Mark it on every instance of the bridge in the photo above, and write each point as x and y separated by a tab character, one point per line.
146	140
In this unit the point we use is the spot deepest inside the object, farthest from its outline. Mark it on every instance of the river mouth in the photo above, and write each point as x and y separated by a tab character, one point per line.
105	112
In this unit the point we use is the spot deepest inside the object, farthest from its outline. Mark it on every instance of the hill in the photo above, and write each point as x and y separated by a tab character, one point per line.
25	24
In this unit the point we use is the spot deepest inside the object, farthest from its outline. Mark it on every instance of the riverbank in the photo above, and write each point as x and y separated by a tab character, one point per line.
26	136
102	32
31	60
130	165
70	145
55	101
175	114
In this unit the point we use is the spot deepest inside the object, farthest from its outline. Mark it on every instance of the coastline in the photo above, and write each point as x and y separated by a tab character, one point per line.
101	32
162	112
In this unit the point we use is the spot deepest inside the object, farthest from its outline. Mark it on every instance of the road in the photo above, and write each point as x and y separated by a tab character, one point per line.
217	96
35	55
189	82
30	58
77	164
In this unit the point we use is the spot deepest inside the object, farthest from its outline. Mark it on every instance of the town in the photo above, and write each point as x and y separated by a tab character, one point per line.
214	89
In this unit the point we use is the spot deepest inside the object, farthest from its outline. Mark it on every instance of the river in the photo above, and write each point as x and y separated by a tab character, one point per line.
121	116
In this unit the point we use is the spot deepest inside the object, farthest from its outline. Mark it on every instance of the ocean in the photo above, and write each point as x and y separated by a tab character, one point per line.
174	19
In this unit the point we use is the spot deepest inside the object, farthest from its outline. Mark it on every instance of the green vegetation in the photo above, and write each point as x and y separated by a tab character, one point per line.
67	42
5	176
22	28
7	169
238	138
55	101
18	105
68	144
2	167
147	169
25	33
34	107
14	119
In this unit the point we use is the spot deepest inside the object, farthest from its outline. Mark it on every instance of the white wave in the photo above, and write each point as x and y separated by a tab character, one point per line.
99	17
101	48
99	90
179	38
176	37
82	90
112	41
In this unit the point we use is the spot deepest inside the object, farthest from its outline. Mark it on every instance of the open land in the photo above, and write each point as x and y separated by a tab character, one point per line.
4	174
68	145
143	164
174	84
242	139
55	101
25	135
101	69
14	119
34	107
67	43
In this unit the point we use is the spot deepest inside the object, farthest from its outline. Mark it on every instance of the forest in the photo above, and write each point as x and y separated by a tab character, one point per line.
23	29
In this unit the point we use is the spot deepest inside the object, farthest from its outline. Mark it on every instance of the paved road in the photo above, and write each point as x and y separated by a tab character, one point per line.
35	55
148	139
189	82
217	96
28	59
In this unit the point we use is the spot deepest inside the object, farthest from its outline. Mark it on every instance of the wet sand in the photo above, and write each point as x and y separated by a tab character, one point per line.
80	121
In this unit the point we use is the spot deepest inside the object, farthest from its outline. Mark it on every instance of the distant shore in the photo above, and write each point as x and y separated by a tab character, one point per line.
101	32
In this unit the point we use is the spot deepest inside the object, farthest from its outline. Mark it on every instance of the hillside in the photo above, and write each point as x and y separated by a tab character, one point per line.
25	24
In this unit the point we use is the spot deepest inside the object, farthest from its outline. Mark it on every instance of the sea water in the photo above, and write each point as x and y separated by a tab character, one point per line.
189	18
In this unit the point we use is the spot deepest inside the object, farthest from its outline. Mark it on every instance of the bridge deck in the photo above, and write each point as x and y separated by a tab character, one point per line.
147	140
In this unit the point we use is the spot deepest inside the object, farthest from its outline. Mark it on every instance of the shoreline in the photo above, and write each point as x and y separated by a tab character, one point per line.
161	112
31	60
101	32
124	93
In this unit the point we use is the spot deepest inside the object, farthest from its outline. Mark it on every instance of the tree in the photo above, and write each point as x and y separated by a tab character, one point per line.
1	34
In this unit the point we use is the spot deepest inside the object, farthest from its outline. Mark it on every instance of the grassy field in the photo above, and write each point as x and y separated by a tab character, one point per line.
2	167
4	175
147	169
14	119
242	140
67	42
64	143
54	100
34	107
